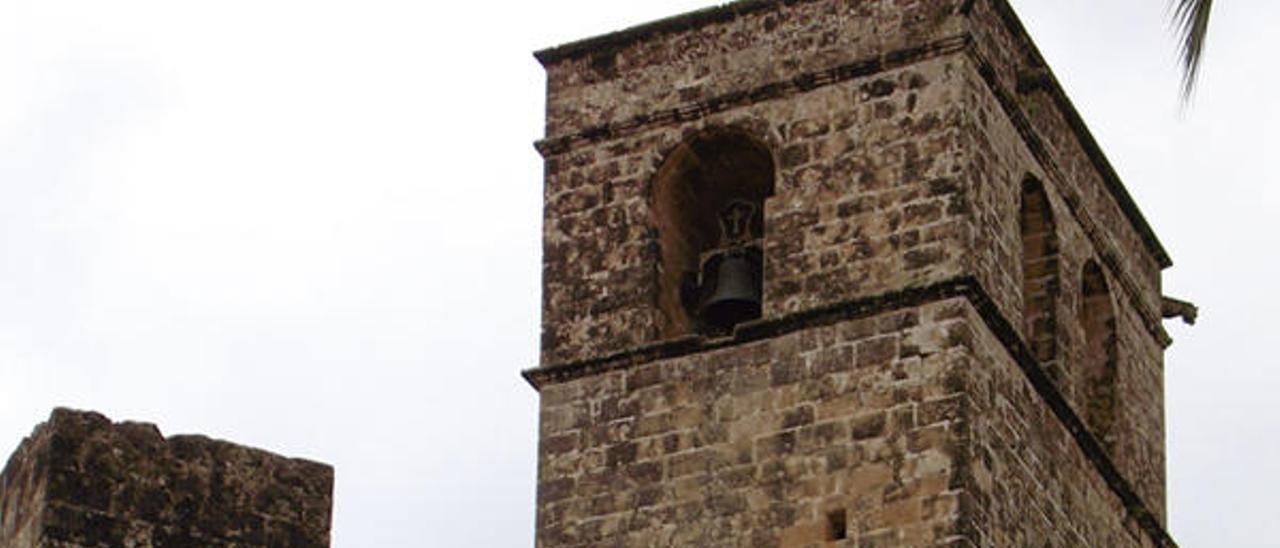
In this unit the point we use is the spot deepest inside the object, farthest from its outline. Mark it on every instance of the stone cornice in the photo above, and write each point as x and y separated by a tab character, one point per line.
668	25
966	287
694	110
764	328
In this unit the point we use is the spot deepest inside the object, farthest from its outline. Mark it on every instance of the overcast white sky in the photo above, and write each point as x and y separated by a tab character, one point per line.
313	227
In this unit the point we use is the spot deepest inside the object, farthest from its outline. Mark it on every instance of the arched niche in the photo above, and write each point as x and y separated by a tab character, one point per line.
1040	275
1098	372
695	183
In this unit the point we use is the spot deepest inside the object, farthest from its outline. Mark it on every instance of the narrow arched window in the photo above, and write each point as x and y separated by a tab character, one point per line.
1040	285
1098	374
708	207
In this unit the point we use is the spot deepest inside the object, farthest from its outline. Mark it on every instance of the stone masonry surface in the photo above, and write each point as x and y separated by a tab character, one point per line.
80	481
889	418
753	445
902	132
1089	225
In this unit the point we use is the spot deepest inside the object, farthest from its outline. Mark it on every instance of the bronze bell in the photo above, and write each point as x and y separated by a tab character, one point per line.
733	281
726	289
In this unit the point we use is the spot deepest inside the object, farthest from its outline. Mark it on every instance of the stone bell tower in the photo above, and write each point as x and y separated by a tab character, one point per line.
850	272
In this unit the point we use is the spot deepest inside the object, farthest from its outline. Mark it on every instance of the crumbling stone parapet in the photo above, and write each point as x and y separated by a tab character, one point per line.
80	480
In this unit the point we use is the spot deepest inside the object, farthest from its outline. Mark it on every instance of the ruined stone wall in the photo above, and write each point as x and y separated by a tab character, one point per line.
23	486
80	481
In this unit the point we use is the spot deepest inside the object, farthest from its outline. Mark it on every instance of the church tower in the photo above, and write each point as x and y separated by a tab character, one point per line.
840	273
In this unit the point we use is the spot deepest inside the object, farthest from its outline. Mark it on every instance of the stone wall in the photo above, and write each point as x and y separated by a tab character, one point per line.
80	481
866	193
756	444
904	176
1027	480
738	48
914	424
1089	224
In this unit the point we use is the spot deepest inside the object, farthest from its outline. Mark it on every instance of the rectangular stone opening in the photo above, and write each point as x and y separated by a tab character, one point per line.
837	527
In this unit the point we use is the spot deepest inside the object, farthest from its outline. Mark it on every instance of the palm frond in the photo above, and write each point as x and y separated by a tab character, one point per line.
1191	21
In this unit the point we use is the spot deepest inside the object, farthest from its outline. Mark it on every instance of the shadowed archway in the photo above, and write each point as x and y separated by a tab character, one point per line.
1040	278
1098	374
694	185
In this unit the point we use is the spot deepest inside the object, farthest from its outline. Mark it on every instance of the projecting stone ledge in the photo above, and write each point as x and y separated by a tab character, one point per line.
81	481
